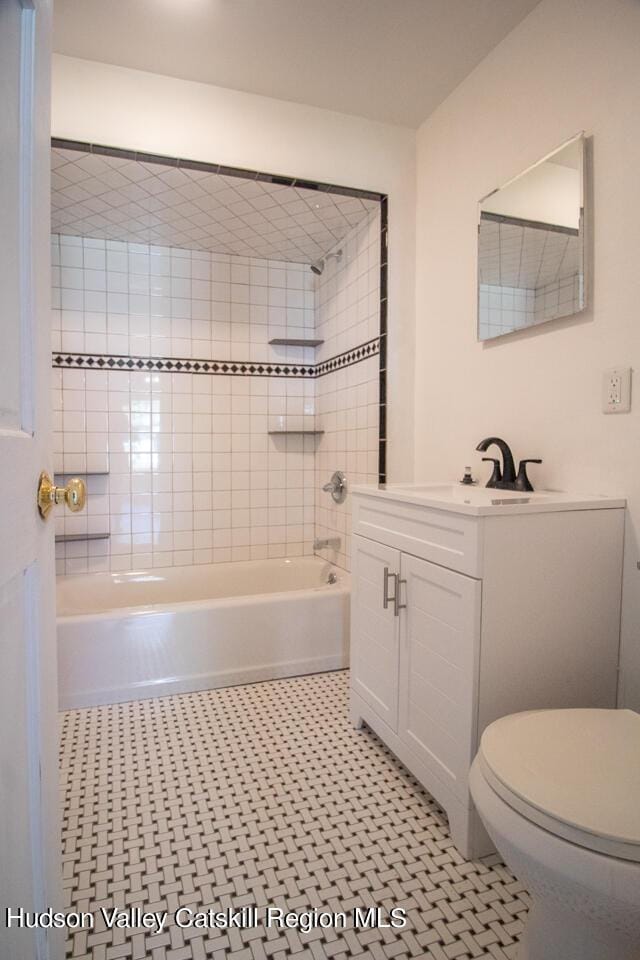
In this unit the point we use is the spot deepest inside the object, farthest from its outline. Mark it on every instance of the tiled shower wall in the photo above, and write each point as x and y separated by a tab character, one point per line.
347	399
193	475
189	471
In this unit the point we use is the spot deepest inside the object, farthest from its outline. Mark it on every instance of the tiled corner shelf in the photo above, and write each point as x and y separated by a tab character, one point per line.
78	537
294	342
306	433
81	473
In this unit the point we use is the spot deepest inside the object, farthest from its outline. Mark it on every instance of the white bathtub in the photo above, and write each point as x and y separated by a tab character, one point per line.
147	633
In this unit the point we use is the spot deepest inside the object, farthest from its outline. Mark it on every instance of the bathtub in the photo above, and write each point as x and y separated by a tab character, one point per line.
148	633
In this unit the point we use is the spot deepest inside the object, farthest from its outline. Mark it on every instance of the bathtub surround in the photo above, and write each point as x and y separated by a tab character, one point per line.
193	475
167	388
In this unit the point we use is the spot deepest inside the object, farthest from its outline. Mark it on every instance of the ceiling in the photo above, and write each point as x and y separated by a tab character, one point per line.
116	198
388	60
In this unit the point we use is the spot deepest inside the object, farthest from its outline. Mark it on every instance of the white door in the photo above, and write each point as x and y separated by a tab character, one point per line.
29	838
374	627
439	650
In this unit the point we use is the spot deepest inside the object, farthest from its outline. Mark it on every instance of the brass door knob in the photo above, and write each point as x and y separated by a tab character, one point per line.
74	494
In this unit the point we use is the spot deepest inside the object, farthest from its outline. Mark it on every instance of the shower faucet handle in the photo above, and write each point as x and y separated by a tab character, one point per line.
337	486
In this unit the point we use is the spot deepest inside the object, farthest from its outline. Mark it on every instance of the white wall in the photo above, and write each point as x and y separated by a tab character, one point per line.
568	66
115	106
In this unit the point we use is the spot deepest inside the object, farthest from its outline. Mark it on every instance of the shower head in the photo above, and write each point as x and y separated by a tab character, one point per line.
318	266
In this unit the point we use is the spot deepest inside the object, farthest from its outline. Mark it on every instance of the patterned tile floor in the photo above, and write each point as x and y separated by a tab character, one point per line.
265	795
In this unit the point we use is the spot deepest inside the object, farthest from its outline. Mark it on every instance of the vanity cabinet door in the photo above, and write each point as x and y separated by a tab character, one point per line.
439	651
375	627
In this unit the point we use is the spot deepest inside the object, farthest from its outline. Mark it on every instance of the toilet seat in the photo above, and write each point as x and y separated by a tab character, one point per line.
576	773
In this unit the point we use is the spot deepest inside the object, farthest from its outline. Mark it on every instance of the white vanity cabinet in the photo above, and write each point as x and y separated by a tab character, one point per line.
374	631
472	607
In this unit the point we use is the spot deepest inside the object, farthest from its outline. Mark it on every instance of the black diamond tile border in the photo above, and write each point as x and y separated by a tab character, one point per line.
233	368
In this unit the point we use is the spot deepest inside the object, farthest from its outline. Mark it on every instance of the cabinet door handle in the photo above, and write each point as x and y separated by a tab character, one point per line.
385	588
395	599
397	606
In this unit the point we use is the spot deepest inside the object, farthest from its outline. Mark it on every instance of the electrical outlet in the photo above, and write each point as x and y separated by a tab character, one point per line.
616	390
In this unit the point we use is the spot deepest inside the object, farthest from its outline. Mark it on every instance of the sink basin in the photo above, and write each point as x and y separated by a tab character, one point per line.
471	495
483	501
468	493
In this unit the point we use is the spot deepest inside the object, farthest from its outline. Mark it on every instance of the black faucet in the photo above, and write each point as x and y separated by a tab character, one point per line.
505	478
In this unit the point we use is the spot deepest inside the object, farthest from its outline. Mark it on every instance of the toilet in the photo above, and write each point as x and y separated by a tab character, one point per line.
559	794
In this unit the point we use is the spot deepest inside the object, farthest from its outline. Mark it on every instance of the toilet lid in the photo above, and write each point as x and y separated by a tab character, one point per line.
574	772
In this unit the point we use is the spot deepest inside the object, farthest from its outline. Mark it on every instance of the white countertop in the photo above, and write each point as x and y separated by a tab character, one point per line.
482	501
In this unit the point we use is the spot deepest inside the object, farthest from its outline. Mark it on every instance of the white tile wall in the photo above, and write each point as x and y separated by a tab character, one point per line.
116	297
193	475
348	314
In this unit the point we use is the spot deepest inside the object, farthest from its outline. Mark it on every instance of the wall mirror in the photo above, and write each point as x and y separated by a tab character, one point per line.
531	245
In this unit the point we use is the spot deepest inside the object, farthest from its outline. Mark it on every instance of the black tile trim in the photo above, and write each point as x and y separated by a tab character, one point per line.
218	168
233	368
223	368
347	359
382	363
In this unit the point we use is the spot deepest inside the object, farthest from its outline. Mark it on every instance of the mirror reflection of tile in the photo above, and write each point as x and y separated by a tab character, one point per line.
531	246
